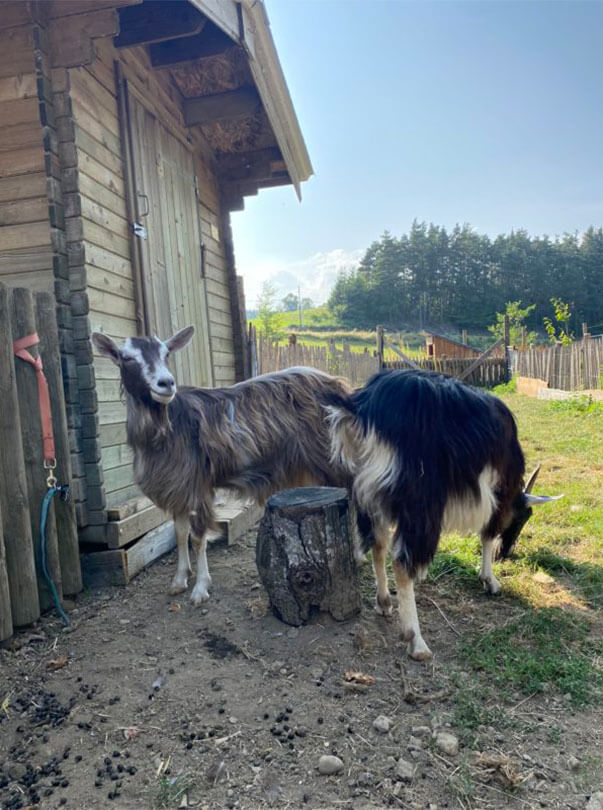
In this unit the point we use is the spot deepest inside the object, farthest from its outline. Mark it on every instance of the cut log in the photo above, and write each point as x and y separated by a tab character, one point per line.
305	554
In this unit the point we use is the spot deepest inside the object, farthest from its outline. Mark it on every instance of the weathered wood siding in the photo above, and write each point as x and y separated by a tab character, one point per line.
25	241
98	236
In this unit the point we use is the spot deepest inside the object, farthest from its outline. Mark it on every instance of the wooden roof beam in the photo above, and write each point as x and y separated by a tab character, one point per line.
220	106
260	164
267	173
250	188
235	161
157	21
210	41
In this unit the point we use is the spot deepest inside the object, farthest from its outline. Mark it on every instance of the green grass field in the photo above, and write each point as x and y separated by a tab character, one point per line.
319	328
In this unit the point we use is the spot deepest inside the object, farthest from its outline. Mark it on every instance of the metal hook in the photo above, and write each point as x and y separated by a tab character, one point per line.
147	204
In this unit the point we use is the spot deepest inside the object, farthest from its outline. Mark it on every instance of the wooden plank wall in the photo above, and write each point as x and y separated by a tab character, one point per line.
216	275
25	242
97	233
97	223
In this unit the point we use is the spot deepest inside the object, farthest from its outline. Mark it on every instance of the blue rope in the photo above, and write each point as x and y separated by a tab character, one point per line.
52	491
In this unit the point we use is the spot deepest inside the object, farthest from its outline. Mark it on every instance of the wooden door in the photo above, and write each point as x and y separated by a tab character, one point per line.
167	219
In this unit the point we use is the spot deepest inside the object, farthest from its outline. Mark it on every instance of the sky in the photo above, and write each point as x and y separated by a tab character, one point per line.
488	113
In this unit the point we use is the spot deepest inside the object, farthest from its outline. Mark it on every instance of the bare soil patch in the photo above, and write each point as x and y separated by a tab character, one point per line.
151	703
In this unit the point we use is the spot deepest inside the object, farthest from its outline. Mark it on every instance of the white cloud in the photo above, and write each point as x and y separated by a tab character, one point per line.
315	275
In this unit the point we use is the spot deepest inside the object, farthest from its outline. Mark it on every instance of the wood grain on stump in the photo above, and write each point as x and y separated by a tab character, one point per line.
305	554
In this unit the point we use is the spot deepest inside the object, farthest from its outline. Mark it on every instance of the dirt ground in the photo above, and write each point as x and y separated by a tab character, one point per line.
150	702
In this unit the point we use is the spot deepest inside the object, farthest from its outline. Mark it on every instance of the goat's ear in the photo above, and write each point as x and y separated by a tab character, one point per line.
180	339
106	346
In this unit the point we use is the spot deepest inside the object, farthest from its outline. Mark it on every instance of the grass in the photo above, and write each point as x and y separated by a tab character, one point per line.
171	790
542	650
321	327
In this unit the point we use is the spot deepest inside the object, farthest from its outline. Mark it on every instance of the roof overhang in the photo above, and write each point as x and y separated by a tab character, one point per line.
248	23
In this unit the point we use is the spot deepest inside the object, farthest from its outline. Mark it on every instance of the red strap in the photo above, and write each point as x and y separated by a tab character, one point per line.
19	347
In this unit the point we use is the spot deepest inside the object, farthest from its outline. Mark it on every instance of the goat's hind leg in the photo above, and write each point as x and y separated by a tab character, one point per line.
200	592
374	536
180	580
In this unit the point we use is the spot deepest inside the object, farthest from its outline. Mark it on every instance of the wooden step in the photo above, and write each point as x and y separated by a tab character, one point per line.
117	566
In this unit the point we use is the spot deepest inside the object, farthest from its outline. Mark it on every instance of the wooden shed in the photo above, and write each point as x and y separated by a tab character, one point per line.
129	131
439	347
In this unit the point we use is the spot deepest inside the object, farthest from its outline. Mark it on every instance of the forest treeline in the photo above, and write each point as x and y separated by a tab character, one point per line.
435	278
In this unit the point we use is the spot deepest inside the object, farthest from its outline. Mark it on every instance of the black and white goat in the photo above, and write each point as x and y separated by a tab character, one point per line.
256	437
429	454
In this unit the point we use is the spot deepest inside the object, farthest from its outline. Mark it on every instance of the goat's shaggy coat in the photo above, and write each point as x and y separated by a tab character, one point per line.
255	437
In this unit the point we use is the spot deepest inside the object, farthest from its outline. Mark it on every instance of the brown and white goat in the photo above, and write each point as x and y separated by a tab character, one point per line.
255	437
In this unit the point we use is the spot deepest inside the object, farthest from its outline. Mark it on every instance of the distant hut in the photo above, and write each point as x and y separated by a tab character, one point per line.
439	347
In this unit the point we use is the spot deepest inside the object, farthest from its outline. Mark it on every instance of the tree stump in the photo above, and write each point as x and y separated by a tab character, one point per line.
305	554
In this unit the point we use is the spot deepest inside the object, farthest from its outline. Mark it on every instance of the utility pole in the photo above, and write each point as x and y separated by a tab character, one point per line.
299	305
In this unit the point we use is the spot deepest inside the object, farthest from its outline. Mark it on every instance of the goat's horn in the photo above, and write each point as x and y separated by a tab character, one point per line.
535	500
532	479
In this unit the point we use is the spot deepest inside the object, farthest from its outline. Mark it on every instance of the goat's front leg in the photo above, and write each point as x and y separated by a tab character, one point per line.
180	580
409	620
490	583
199	523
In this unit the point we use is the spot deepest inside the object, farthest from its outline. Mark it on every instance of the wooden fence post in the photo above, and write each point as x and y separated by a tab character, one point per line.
507	336
69	556
18	545
23	323
380	346
253	350
6	616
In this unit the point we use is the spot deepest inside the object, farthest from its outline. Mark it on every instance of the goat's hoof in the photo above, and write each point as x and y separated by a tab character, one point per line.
383	606
178	586
419	651
492	587
199	595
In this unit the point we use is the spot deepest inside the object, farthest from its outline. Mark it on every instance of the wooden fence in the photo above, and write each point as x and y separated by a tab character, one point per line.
357	367
23	589
576	367
489	372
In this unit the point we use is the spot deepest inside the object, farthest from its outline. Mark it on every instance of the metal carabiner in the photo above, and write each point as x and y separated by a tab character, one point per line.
50	465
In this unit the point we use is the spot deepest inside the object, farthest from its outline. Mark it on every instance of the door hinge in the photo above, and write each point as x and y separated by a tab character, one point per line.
139	230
